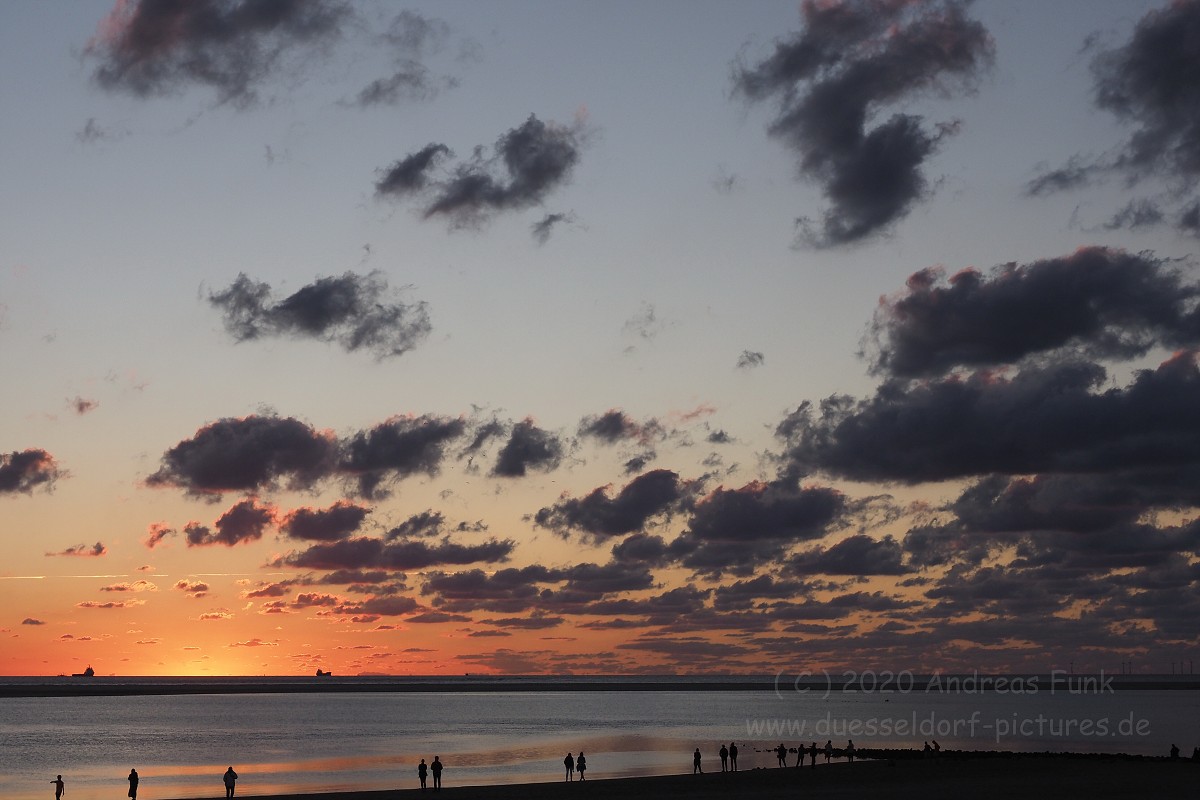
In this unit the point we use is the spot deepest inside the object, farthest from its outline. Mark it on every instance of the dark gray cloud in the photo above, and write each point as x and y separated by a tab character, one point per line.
542	229
401	555
527	164
615	426
397	448
750	359
426	523
1048	419
338	521
1097	301
247	454
507	590
411	173
97	549
158	47
246	521
411	81
857	555
32	621
26	470
738	530
601	516
1148	84
833	79
355	311
528	447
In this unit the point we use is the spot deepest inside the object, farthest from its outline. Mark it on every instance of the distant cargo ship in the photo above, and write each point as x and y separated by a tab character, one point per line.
87	673
321	674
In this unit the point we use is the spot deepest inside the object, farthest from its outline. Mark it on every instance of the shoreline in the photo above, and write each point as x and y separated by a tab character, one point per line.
985	775
115	686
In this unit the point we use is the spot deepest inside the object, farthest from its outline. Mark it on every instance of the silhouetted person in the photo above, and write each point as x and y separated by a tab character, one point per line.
850	750
436	769
724	754
230	778
422	771
781	754
937	748
1174	751
59	787
133	782
733	756
800	755
581	764
828	750
812	755
696	762
569	763
927	750
1195	754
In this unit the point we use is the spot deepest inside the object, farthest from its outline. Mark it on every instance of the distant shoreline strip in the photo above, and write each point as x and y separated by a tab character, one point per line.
119	687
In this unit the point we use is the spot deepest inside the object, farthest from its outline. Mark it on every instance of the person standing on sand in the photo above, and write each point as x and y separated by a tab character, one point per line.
850	750
828	750
436	769
133	782
724	754
581	764
781	754
733	756
569	763
59	787
230	779
696	762
812	755
422	770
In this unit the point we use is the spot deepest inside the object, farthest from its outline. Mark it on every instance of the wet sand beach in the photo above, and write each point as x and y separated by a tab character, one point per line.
984	778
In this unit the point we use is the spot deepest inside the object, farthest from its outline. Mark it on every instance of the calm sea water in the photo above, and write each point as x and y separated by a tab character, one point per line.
181	745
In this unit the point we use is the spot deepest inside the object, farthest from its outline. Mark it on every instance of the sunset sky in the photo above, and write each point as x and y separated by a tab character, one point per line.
598	337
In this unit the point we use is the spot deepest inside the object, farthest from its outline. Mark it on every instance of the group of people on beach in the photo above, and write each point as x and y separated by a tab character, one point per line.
729	755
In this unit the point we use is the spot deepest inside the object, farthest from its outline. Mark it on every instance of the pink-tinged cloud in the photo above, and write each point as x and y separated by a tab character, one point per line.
217	614
156	532
132	602
98	549
244	522
194	588
256	642
136	586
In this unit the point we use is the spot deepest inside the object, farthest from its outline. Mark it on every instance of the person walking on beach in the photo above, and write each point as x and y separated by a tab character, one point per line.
569	763
422	771
696	762
230	779
812	755
781	754
733	756
850	750
133	782
828	750
436	769
59	787
724	754
581	764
